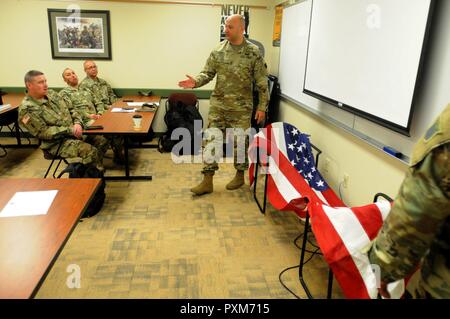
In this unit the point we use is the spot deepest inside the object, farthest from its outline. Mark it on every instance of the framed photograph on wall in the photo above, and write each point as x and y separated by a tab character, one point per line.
81	34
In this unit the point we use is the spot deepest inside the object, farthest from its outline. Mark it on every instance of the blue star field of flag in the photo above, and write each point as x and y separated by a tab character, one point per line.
301	157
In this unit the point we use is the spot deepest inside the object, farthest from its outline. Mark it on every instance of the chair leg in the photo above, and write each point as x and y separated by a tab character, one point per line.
56	169
302	258
49	167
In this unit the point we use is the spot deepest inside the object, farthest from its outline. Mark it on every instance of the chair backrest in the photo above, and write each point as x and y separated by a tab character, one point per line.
185	98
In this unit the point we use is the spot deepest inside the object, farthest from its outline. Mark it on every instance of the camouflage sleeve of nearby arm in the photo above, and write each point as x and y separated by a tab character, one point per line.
419	211
208	72
98	104
260	75
39	128
76	116
111	95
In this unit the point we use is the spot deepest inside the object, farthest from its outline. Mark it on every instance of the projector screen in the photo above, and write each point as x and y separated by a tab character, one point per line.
364	56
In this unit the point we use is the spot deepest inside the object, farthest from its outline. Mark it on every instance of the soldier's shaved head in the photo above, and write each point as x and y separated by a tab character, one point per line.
234	29
70	77
90	68
238	18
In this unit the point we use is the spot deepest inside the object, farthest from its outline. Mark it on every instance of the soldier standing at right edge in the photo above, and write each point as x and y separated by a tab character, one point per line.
417	231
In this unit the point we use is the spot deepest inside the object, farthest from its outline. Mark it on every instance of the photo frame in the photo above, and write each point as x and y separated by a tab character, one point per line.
82	34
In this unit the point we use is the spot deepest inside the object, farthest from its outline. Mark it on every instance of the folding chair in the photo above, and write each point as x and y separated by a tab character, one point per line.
306	229
53	158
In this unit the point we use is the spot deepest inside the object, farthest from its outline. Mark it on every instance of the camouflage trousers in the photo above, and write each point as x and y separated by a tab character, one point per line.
116	143
223	126
78	151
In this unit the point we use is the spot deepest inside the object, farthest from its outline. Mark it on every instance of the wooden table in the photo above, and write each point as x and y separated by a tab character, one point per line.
29	245
121	124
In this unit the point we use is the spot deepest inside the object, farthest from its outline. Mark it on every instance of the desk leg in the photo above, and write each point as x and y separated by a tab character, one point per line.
125	150
16	125
127	168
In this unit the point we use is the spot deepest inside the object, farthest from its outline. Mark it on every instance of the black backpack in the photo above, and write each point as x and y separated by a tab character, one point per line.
78	170
181	112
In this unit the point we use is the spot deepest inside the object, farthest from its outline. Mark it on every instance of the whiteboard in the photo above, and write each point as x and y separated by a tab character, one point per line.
432	94
365	55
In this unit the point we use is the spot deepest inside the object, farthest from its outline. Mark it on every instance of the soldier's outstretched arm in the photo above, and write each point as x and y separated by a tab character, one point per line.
419	211
208	73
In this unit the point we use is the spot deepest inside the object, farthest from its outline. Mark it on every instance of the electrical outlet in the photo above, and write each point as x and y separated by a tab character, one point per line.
326	165
346	178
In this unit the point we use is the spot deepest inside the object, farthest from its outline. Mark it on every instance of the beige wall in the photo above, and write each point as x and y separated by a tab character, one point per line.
153	45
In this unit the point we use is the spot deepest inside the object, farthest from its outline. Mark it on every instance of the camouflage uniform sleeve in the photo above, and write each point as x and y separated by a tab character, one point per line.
97	101
111	95
261	80
39	128
77	117
419	211
208	72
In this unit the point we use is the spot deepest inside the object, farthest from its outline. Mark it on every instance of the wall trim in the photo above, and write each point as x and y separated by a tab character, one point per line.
164	93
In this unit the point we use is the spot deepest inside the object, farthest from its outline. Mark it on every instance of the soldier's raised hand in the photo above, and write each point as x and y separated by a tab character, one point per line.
187	84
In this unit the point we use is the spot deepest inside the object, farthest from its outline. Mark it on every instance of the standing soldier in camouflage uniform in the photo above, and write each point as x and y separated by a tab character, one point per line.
97	86
89	107
238	64
46	116
418	228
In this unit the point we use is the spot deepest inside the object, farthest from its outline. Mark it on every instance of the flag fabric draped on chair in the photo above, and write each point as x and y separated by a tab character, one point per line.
342	233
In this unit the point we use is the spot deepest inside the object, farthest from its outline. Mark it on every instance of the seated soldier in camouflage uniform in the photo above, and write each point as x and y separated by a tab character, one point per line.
90	107
417	231
95	85
46	116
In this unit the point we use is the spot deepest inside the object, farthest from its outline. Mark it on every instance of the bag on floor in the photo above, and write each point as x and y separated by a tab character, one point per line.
180	115
78	170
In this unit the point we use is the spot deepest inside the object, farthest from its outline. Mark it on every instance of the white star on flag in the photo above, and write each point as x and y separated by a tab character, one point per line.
294	131
291	147
320	183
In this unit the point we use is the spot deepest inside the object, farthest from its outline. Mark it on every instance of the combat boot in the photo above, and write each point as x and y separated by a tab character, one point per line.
206	186
237	181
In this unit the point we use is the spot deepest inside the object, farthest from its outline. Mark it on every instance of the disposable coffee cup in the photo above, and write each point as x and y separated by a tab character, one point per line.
137	119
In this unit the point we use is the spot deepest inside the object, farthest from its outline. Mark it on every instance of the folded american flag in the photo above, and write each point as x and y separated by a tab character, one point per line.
342	233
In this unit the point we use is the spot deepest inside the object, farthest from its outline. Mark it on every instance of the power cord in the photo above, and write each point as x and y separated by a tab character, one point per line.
294	267
312	252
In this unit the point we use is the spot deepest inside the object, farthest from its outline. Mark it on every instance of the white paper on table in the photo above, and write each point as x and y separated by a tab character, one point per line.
29	203
121	110
140	104
135	103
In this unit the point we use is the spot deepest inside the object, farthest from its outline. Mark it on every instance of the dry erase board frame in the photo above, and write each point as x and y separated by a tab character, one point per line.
354	108
432	97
